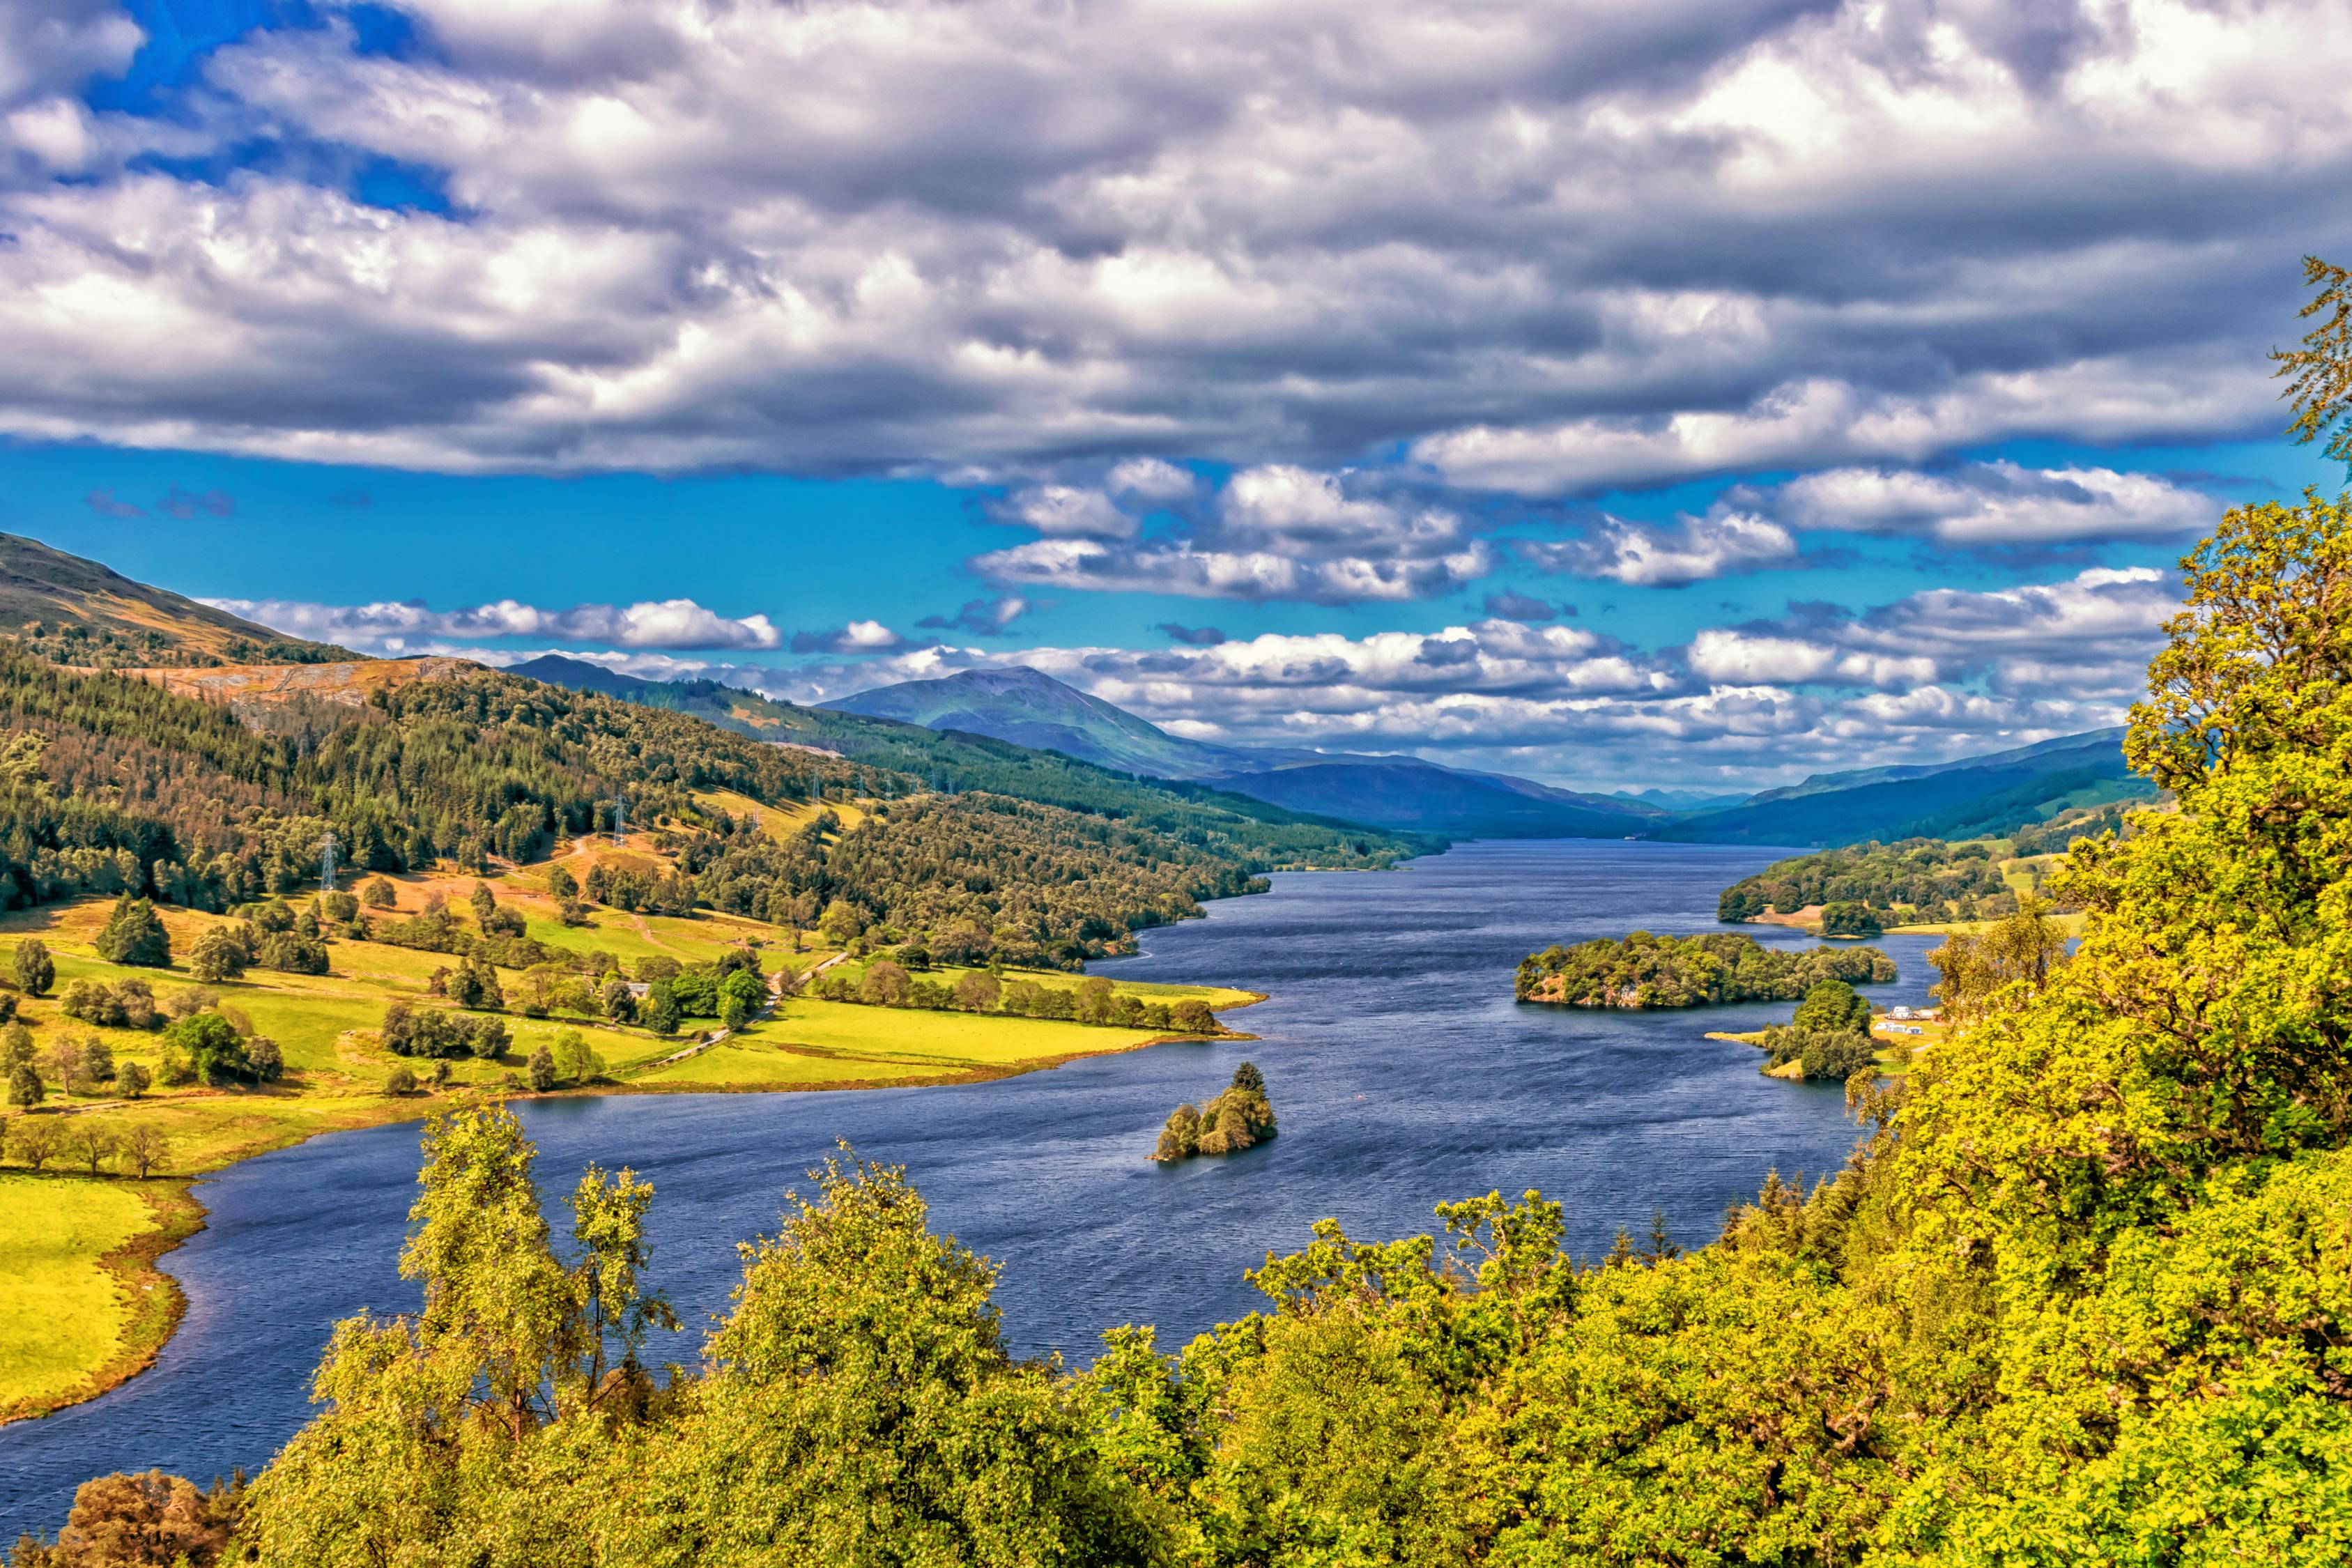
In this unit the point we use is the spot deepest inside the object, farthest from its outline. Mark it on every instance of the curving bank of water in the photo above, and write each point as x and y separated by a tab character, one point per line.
1405	1073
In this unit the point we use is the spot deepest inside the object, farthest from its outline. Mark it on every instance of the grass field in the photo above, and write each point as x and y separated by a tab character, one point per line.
68	1313
80	1306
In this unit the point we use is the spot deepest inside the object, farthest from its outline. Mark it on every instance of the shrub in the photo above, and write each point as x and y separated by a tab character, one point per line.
400	1080
214	1050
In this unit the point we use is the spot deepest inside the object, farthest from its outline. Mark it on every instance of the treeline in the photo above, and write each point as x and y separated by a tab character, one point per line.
888	984
1642	971
1916	880
1926	875
981	877
1250	832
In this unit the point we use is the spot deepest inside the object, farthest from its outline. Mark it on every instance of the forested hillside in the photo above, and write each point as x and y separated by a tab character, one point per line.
1915	879
112	784
78	612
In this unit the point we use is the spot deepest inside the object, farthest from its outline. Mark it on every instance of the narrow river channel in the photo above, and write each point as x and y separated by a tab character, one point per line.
1402	1072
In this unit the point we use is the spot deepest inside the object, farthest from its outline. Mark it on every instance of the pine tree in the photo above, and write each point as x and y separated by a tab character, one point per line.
134	934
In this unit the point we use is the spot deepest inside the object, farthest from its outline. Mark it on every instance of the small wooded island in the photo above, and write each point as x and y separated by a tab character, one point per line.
1642	970
1829	1038
1228	1124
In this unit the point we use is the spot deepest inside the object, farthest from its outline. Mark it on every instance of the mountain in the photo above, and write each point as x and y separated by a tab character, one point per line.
78	612
1969	798
951	761
1032	708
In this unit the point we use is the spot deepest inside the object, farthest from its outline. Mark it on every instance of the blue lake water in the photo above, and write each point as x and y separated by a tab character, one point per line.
1401	1070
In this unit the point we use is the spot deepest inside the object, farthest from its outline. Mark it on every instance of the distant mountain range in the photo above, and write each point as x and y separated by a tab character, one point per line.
1030	708
1969	797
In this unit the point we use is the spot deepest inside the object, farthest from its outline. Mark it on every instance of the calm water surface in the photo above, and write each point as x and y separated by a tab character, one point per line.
1401	1070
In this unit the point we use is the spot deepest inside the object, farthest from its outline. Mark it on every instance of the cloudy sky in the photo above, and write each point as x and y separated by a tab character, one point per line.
1639	392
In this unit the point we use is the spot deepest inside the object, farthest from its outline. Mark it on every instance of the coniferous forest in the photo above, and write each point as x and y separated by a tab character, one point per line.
110	785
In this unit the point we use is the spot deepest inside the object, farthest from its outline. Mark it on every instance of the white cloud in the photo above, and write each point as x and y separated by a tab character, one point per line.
650	623
1723	541
1067	512
1151	480
1997	503
1276	531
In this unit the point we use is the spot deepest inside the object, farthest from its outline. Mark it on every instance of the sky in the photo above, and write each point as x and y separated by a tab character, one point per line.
1641	393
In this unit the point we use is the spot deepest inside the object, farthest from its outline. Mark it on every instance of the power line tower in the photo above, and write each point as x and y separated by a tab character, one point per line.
620	817
327	847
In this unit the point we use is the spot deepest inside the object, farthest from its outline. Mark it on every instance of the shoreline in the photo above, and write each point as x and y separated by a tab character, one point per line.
157	1302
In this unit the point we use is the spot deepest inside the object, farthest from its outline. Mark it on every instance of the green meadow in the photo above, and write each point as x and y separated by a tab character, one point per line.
67	1328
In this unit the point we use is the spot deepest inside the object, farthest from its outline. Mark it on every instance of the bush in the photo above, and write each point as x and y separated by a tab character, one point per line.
128	1003
214	1050
400	1080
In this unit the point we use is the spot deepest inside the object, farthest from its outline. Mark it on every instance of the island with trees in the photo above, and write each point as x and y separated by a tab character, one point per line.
1237	1118
1829	1038
1642	970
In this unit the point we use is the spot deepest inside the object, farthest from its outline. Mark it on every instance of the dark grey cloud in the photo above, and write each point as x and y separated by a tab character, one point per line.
981	618
101	501
1513	605
1192	636
185	504
1539	251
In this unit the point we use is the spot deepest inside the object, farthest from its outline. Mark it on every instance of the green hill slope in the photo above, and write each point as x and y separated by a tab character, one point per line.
75	611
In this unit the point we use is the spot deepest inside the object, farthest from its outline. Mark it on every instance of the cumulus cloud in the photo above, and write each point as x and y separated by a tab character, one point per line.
1275	532
1933	675
1724	541
650	623
1150	479
1067	512
1539	250
1997	503
857	636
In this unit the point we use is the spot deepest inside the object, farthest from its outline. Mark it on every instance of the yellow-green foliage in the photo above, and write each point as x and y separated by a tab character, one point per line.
63	1311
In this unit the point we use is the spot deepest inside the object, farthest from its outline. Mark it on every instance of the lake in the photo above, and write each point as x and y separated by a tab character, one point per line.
1402	1072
